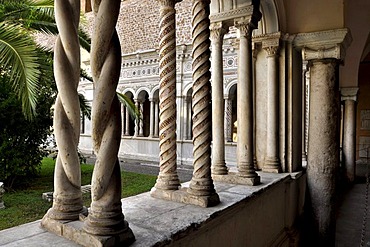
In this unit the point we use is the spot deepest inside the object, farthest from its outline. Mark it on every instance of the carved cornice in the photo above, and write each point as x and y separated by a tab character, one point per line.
325	44
217	31
349	93
232	14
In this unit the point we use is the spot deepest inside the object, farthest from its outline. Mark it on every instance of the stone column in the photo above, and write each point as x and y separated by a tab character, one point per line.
218	136
304	110
67	198
186	118
349	96
245	102
167	178
156	118
105	215
141	120
228	119
189	118
324	50
201	185
137	120
272	162
127	125
152	110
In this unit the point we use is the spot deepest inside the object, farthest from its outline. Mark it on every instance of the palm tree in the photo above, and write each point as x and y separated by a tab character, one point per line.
23	60
20	56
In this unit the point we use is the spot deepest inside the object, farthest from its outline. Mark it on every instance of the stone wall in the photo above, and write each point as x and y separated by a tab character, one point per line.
138	24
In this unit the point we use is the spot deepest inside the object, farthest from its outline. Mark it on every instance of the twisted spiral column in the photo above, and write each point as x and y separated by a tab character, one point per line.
167	178
228	122
105	216
201	183
67	203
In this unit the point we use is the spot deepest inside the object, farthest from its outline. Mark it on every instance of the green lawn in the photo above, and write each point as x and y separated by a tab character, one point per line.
26	205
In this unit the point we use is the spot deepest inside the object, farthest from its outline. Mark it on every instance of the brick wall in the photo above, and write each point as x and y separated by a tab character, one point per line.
138	24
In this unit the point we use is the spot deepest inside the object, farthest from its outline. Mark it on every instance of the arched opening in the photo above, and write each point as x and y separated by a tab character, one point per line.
144	109
127	120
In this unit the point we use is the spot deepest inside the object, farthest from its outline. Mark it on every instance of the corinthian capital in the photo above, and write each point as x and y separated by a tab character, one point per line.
245	27
217	31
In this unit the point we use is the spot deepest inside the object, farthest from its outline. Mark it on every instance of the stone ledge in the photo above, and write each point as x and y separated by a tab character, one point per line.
73	230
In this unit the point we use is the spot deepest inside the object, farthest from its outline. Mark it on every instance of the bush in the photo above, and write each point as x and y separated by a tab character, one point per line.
21	140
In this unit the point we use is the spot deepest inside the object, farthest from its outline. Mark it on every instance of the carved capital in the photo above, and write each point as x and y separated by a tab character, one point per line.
245	27
217	31
325	44
349	93
271	46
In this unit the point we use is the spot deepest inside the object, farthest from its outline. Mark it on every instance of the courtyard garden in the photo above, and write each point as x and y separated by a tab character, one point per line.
25	204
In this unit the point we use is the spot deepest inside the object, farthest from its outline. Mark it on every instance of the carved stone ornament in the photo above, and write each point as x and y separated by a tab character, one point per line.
218	31
349	93
324	44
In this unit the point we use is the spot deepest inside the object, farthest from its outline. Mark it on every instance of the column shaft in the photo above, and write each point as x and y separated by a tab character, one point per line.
167	178
156	119
127	126
245	104
186	118
152	110
201	184
228	119
141	121
218	136
323	144
349	139
137	120
272	162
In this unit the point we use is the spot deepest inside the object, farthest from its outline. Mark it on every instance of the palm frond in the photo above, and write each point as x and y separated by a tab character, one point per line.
84	106
18	54
126	101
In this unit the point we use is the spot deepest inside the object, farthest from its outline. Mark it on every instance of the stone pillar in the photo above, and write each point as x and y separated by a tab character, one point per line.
2	191
67	201
245	102
349	96
228	119
305	71
189	119
218	136
127	125
105	215
201	185
167	178
272	161
324	50
152	110
186	109
254	55
141	120
137	120
156	118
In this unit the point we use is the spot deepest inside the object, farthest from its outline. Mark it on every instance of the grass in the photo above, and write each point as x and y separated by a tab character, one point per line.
26	205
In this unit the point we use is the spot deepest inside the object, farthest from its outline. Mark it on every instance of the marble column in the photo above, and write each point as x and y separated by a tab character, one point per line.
127	125
137	120
67	198
167	178
189	118
324	50
305	71
186	120
245	102
228	119
349	96
201	185
156	118
218	135
272	161
141	120
152	112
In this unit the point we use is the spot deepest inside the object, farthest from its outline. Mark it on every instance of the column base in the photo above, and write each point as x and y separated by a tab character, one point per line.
182	196
73	230
220	168
272	165
236	178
